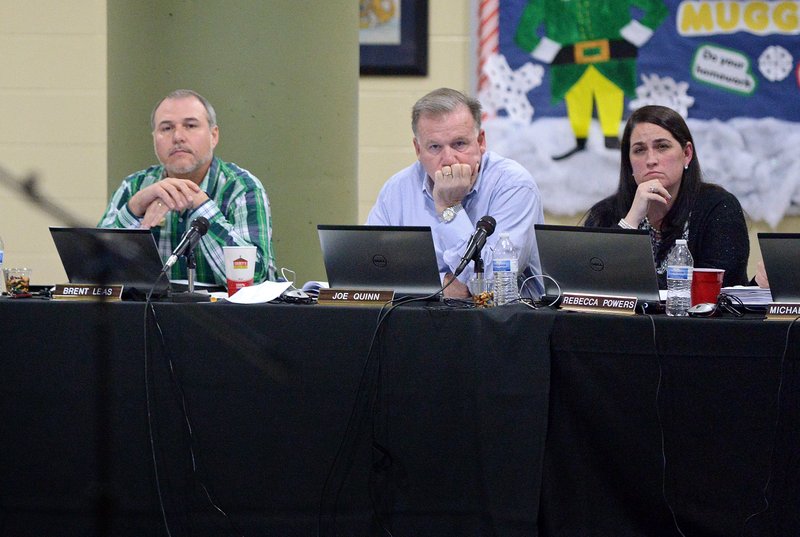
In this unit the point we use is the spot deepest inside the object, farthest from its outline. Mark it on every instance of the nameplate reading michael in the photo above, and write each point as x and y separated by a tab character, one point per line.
354	297
783	311
87	291
623	305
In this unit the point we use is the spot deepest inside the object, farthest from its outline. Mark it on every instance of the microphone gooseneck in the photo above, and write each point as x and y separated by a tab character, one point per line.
189	240
484	228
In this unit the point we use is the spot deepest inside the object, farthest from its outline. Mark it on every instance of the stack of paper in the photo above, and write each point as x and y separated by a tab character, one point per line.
750	295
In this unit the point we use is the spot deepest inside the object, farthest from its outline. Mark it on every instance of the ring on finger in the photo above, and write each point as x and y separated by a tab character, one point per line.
652	190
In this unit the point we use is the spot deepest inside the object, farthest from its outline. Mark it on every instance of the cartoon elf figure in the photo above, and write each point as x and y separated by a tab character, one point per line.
591	46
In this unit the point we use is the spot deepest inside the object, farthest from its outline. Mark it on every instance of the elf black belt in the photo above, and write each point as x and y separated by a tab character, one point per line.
599	50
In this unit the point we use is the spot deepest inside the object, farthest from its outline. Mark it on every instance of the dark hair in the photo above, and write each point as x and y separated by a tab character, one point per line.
608	212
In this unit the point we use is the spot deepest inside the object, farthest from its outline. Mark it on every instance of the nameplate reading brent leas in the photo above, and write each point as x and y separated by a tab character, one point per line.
86	291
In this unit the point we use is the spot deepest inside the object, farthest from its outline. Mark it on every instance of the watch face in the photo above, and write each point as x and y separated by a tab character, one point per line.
450	212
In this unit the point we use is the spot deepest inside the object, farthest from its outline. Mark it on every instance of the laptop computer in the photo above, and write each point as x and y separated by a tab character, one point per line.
127	257
397	258
598	261
781	255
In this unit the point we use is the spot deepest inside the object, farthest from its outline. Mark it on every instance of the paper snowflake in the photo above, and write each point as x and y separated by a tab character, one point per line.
508	89
663	91
775	63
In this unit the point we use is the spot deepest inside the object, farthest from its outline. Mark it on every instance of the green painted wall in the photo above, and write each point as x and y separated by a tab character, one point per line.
283	77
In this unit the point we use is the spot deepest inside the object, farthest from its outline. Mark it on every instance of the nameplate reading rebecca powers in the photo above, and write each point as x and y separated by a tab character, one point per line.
86	291
621	305
783	311
354	297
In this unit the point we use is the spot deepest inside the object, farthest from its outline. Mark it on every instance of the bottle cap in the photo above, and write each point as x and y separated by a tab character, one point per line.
680	241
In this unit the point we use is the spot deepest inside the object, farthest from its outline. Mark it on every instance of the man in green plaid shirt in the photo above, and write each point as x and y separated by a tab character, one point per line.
192	182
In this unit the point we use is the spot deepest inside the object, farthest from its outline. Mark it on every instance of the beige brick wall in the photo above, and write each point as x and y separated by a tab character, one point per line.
53	105
384	126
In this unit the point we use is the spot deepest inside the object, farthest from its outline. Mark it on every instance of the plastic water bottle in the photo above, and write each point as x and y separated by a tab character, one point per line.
1	255
679	279
505	267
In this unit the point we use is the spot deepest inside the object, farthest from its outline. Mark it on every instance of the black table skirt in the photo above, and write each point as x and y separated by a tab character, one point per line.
447	420
459	422
648	435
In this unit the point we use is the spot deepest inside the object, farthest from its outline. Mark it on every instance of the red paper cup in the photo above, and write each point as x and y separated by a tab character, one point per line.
706	285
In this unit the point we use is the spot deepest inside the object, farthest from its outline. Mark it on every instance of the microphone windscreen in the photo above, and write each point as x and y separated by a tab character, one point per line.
487	223
200	224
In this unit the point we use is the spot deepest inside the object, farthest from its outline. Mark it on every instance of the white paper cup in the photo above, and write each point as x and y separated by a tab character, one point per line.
240	266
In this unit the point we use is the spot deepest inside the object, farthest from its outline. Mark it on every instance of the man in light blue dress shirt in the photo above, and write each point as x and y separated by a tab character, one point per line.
454	183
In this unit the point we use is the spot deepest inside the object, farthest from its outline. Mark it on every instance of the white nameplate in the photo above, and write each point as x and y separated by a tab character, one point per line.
354	297
86	291
783	311
620	305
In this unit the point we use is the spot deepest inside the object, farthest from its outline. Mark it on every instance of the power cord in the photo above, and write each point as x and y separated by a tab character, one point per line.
345	453
148	407
542	276
368	390
734	305
185	412
661	427
777	424
774	432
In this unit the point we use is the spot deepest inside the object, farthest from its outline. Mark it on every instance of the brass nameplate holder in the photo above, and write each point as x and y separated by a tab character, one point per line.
619	305
87	291
354	297
783	311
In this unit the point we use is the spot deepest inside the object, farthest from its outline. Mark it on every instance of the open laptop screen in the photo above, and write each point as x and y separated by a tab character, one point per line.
127	257
598	261
397	258
781	255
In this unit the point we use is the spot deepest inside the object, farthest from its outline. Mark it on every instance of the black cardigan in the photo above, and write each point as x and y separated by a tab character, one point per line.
717	232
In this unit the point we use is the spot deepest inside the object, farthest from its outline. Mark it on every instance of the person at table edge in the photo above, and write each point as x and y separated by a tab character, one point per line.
661	190
454	183
191	181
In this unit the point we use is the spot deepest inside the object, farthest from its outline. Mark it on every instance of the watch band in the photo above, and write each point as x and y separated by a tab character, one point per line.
450	212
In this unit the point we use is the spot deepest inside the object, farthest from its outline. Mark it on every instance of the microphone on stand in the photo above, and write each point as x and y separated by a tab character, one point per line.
485	227
188	241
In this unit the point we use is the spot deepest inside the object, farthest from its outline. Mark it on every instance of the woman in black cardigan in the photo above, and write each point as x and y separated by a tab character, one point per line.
661	190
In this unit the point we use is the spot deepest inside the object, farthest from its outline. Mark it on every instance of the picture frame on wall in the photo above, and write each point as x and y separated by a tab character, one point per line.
393	37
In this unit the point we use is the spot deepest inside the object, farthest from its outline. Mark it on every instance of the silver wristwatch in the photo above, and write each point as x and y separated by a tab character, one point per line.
450	212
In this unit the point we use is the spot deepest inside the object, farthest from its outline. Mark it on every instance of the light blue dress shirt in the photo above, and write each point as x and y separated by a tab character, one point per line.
504	190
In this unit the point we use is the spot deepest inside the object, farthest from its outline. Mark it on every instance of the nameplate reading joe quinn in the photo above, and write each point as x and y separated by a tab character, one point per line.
354	297
85	291
622	305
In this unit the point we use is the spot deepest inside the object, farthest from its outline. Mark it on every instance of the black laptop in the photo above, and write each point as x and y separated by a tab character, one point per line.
598	261
781	255
397	258
127	257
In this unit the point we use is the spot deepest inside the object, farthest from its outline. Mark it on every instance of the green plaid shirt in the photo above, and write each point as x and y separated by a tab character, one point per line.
237	210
